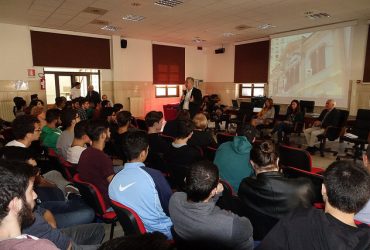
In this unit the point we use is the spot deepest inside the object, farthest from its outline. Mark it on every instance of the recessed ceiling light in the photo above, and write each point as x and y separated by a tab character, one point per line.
95	11
316	15
109	28
198	40
134	18
242	27
168	3
135	4
228	34
265	26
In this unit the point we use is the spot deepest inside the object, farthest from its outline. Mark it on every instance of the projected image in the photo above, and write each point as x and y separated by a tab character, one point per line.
311	65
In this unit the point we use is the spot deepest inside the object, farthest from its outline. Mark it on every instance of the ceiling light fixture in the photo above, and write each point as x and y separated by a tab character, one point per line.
265	26
228	34
316	15
109	28
197	40
168	3
134	18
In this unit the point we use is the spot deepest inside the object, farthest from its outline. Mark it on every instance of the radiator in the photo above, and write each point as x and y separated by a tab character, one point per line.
6	110
137	106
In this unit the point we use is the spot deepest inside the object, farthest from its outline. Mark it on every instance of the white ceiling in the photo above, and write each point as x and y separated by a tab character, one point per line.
206	19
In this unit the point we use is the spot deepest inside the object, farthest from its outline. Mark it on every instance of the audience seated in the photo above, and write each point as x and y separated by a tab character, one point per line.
79	142
117	107
232	158
346	189
60	102
94	165
201	137
84	106
142	189
50	132
16	205
196	217
40	114
115	143
292	118
364	214
269	193
180	155
170	128
69	118
266	115
328	117
157	145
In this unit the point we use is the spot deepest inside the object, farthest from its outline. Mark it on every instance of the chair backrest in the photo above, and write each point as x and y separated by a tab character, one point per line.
210	153
130	221
316	179
294	157
91	195
332	133
307	106
362	124
228	189
245	112
224	137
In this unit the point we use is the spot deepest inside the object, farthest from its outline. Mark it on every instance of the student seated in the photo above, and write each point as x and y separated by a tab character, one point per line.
345	190
197	218
140	188
51	132
79	142
170	128
69	118
364	214
232	158
201	137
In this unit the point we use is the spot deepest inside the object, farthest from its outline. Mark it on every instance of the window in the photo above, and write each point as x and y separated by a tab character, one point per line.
59	81
166	90
251	89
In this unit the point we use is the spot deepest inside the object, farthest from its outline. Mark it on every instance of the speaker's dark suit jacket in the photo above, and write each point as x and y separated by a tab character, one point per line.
195	105
332	119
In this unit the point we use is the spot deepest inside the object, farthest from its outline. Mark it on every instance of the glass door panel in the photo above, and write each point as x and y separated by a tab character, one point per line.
65	84
50	88
84	83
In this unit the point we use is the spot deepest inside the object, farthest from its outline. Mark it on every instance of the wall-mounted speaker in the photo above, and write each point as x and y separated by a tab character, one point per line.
123	43
220	51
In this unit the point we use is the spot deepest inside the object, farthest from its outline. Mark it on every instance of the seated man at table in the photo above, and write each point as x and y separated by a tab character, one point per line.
232	158
197	218
345	190
328	117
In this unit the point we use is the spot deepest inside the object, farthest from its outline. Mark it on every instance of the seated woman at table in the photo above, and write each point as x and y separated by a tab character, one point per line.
266	115
292	118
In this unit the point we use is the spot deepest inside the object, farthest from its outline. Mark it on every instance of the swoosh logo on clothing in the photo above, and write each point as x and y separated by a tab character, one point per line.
123	188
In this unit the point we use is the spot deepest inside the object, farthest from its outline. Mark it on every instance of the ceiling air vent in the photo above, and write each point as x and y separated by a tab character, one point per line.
95	11
168	3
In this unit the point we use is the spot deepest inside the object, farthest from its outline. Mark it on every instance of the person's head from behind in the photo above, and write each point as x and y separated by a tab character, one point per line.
53	117
108	115
60	102
135	145
19	102
248	131
77	85
294	106
200	121
124	118
117	107
17	198
69	118
84	103
90	88
185	129
105	103
201	181
13	153
98	131
26	127
263	157
183	115
154	120
346	186
80	131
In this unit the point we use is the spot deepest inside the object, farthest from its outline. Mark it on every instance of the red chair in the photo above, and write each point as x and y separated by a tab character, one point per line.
94	199
130	221
296	158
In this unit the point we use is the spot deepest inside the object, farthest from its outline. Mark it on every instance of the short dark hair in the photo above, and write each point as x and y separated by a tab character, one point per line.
183	115
117	107
67	116
347	186
184	128
59	100
264	154
123	118
201	179
96	128
14	153
105	112
80	129
82	100
248	131
134	142
22	125
14	181
153	117
104	103
52	114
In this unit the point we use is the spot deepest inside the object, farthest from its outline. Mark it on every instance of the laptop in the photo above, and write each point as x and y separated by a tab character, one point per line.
235	104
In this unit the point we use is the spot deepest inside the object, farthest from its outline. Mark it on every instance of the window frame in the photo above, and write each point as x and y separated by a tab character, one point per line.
166	86
252	87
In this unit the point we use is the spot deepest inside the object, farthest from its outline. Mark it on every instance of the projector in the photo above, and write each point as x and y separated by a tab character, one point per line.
220	51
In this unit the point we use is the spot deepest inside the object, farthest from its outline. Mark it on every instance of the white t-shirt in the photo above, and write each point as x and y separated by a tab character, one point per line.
75	92
187	99
74	153
15	143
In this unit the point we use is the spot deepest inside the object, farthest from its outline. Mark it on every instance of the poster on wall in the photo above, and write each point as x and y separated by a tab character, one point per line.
21	85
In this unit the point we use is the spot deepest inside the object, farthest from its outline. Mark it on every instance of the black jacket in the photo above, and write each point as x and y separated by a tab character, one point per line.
332	119
195	105
93	96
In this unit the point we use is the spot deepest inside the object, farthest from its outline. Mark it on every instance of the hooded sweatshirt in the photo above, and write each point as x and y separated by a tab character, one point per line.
232	159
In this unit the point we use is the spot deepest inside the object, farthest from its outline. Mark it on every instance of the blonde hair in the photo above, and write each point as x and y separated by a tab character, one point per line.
200	121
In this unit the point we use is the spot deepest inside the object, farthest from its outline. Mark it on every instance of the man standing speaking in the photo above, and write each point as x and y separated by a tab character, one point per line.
191	98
